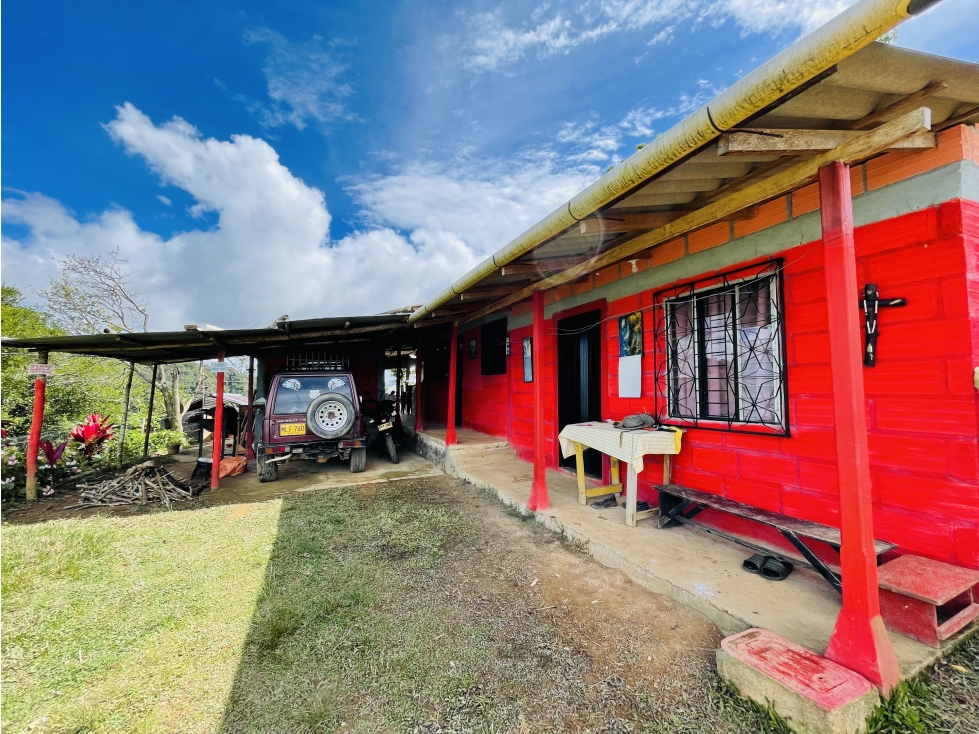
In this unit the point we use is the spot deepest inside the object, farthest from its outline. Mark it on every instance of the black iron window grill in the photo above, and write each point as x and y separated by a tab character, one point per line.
317	361
720	352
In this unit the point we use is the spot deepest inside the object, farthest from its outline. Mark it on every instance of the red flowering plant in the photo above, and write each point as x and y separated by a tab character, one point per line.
93	434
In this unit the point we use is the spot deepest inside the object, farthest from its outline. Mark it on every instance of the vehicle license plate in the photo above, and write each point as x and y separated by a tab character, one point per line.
292	429
385	426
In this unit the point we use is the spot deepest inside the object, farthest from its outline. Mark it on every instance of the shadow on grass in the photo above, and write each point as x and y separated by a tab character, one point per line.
348	622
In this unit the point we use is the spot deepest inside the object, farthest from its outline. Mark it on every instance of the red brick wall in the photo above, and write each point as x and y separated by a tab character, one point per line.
484	397
922	407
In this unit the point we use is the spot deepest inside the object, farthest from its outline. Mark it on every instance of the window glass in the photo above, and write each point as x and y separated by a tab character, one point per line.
294	394
725	354
493	348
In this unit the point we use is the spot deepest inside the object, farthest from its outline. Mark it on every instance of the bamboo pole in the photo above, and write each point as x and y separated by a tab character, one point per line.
125	412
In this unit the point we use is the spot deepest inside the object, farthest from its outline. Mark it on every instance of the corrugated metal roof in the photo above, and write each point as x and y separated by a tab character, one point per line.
197	344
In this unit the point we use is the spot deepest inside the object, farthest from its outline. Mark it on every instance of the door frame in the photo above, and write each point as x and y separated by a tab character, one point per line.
600	305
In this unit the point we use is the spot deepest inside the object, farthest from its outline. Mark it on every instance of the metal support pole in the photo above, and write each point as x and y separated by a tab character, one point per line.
34	438
450	418
538	490
149	414
419	426
125	412
250	413
217	448
859	640
397	387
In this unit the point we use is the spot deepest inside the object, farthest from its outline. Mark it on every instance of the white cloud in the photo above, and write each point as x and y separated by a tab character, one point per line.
270	251
164	200
304	82
491	42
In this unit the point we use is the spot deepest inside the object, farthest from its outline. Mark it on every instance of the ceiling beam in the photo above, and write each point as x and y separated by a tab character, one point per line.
857	149
905	103
802	142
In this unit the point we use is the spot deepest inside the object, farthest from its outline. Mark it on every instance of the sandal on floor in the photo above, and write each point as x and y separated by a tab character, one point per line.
642	506
754	564
607	502
775	570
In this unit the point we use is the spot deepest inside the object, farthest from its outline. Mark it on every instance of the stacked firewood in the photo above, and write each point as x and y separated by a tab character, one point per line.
141	484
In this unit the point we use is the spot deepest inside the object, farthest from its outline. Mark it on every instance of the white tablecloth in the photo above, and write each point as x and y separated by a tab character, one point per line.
627	446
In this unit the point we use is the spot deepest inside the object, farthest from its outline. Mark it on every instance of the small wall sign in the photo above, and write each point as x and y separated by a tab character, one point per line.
630	334
472	349
528	359
219	367
40	369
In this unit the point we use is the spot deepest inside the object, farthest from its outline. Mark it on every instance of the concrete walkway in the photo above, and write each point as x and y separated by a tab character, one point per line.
684	563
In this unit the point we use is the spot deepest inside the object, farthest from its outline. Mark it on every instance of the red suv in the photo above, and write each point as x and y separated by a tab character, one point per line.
309	415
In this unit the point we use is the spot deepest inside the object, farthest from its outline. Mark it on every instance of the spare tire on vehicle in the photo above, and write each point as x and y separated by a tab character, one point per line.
330	415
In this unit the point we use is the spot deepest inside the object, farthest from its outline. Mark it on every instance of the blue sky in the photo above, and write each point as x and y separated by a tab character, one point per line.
255	159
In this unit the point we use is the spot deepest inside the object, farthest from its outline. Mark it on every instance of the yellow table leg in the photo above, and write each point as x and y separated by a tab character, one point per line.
614	466
579	462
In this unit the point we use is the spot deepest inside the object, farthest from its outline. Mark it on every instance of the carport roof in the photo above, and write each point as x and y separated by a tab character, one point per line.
194	344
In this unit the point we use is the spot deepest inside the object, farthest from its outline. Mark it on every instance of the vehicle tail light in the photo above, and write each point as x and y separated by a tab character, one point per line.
351	444
276	449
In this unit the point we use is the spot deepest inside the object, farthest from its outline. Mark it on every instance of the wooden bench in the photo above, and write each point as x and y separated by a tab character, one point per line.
678	504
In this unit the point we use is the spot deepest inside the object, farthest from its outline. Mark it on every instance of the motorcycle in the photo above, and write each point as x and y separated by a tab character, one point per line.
384	428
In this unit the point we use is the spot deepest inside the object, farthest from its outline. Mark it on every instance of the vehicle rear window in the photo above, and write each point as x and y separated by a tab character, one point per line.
296	393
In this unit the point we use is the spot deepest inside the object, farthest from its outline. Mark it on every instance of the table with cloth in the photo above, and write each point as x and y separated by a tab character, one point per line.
628	445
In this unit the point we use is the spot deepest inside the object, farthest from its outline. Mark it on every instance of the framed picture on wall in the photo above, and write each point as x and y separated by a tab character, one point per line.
507	343
528	359
630	334
472	349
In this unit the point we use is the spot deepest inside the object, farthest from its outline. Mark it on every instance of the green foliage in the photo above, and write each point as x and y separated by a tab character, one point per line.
79	386
161	440
907	711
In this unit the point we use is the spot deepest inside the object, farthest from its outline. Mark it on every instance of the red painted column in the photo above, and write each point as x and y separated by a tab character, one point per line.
34	437
418	386
250	413
218	427
450	420
859	640
538	490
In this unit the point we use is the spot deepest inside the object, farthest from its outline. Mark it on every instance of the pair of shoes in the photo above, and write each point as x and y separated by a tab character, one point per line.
642	506
607	502
768	567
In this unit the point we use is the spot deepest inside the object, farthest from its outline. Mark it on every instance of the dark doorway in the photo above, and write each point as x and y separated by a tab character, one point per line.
459	372
579	374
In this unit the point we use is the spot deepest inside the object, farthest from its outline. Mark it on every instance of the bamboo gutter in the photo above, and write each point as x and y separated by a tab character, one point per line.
802	62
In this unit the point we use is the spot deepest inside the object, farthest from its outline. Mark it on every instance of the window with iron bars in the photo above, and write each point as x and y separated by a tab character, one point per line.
725	361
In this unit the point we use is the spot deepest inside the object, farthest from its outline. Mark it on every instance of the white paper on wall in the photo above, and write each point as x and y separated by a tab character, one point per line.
630	376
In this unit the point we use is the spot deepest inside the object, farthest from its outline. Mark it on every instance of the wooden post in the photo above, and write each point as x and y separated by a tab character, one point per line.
125	412
218	435
579	470
149	414
419	426
34	437
450	419
250	412
859	640
538	490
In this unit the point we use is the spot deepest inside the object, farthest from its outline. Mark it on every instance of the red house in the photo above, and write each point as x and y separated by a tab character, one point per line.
741	246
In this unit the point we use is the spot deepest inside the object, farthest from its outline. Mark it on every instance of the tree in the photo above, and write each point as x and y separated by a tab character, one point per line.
81	385
94	294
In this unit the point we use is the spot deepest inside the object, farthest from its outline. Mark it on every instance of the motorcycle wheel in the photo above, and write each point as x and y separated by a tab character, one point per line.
392	449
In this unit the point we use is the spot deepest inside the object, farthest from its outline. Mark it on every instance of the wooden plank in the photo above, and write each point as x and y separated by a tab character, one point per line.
860	148
579	465
803	142
610	222
905	103
805	528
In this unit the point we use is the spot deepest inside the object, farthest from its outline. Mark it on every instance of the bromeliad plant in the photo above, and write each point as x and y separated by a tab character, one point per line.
93	433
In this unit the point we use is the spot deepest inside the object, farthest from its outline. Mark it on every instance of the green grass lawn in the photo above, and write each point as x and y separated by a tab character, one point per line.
388	607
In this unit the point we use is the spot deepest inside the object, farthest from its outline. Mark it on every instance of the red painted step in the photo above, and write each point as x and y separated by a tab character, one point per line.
927	600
